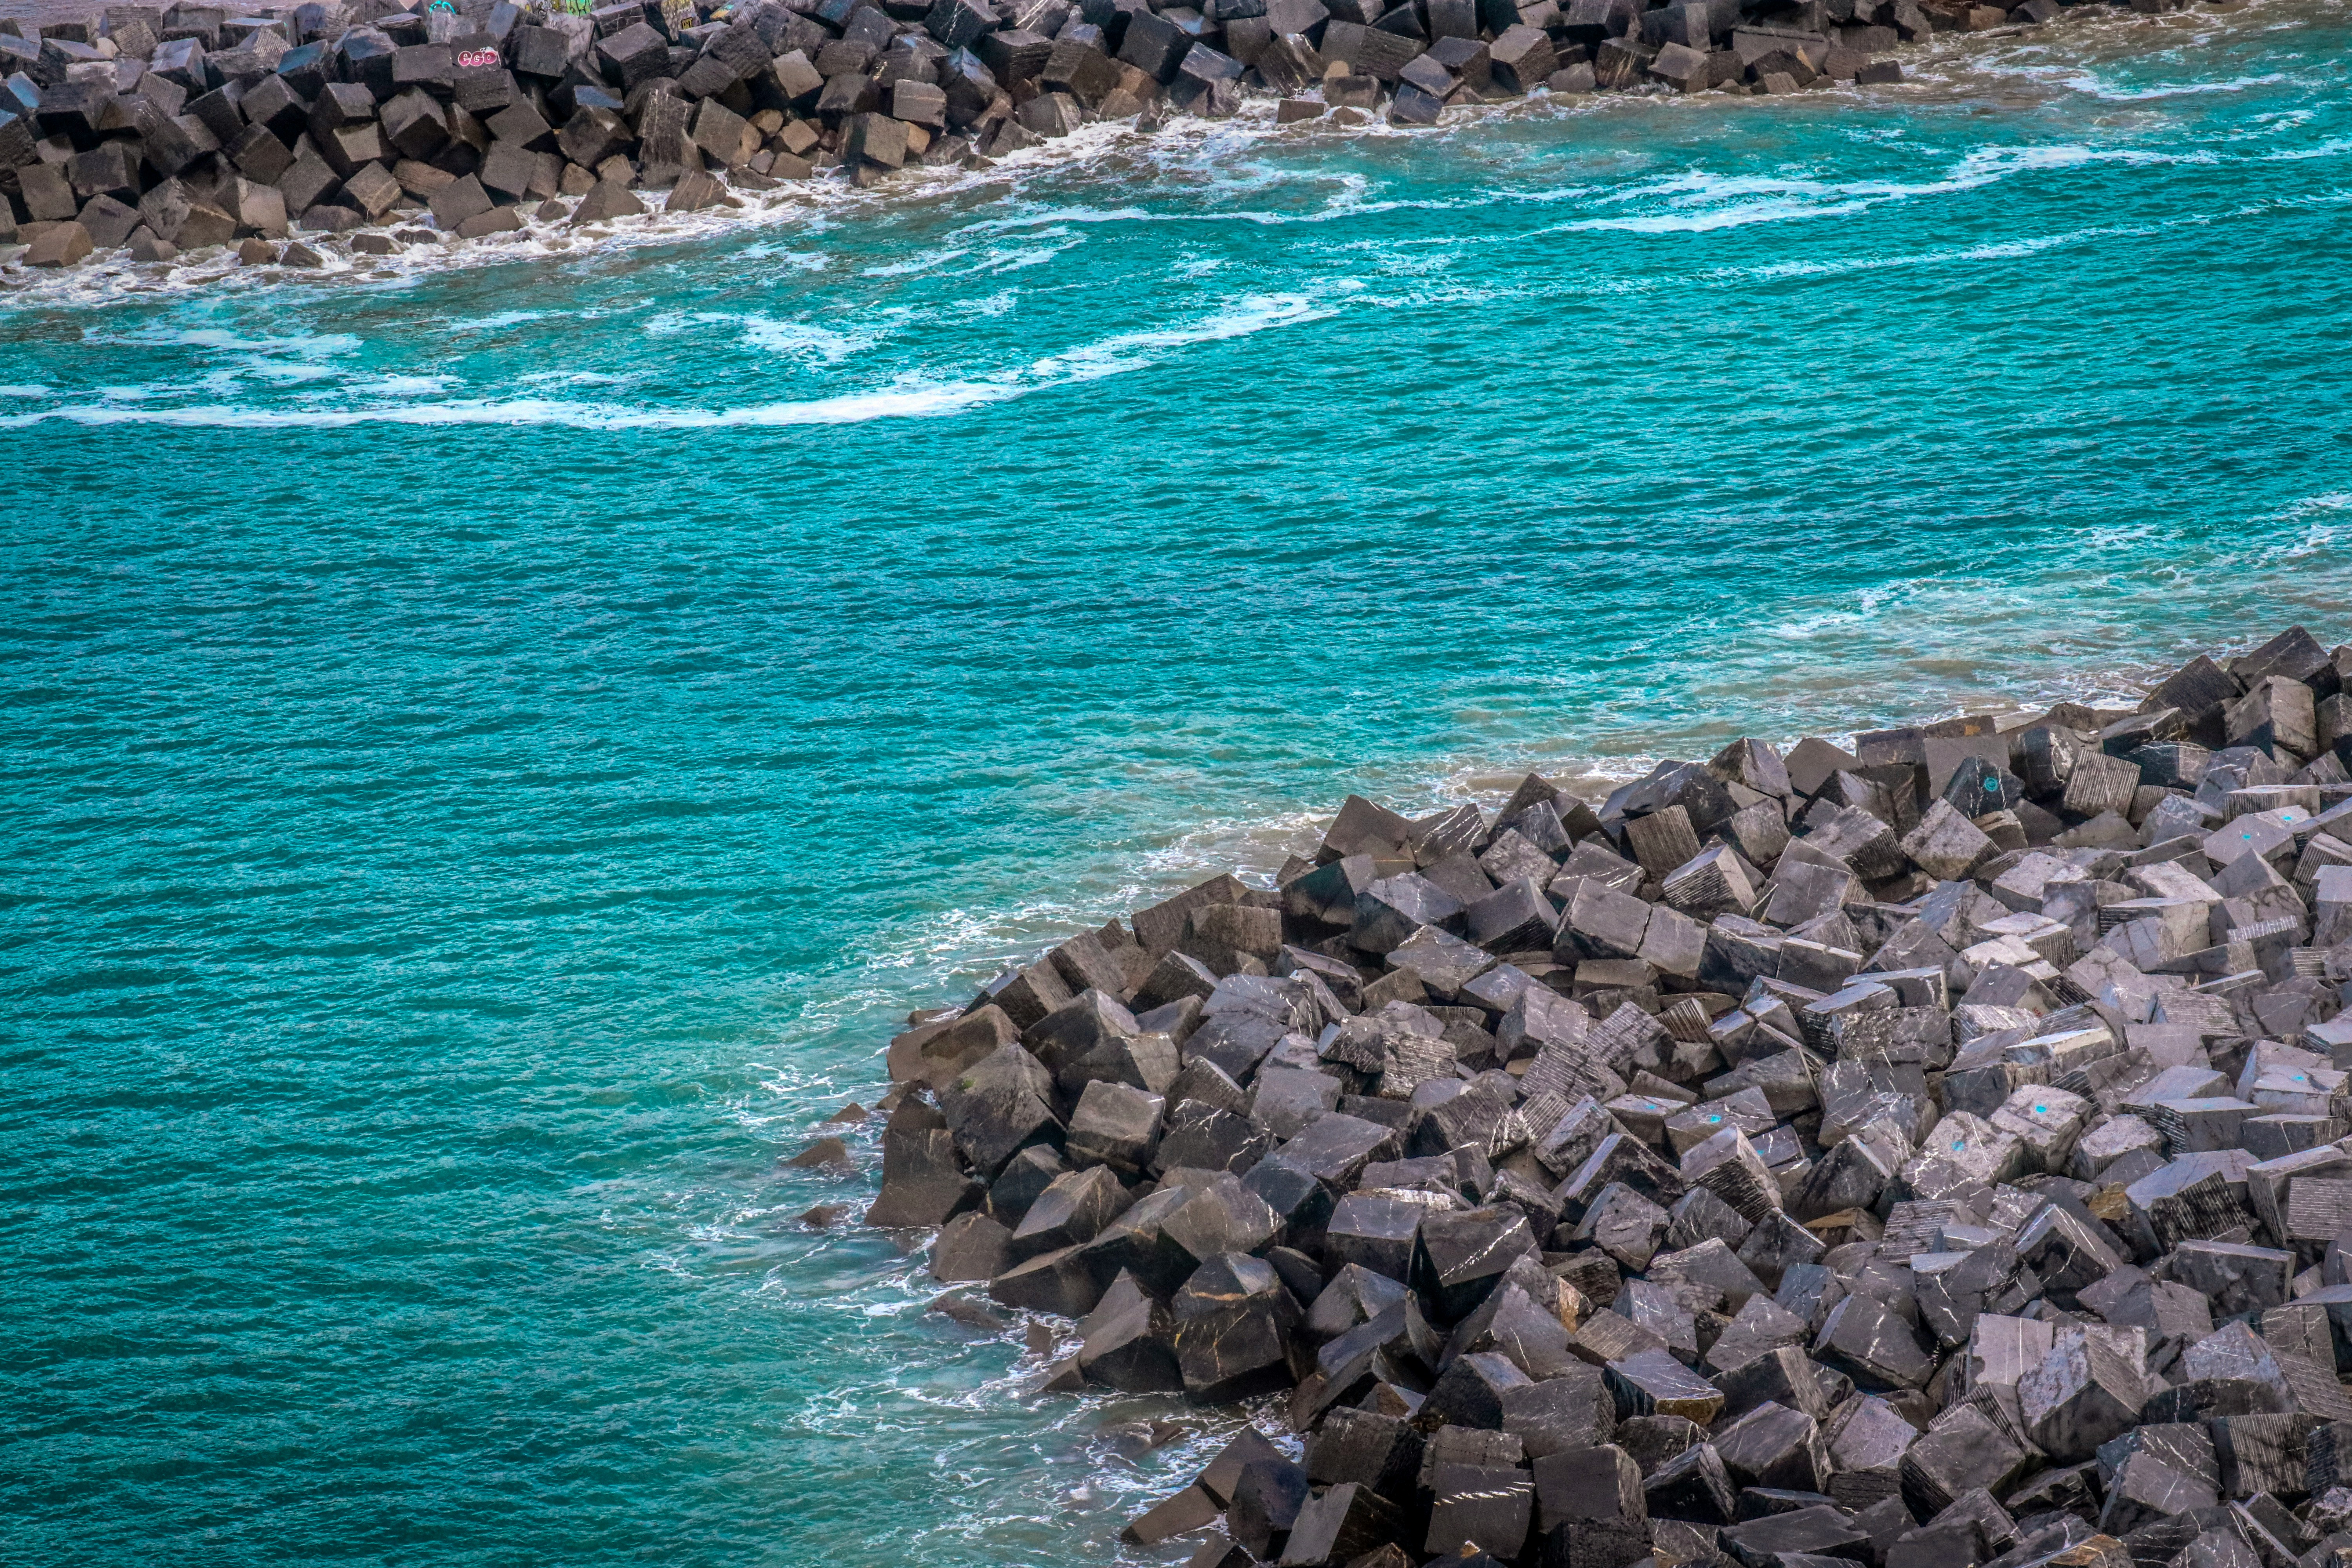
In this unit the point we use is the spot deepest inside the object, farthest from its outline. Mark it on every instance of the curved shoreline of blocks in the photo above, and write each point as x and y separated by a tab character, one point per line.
345	124
1926	1155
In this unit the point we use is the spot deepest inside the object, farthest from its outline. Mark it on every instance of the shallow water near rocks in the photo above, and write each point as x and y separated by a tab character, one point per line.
492	751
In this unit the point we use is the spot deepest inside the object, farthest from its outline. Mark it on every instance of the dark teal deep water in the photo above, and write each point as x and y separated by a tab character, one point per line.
488	754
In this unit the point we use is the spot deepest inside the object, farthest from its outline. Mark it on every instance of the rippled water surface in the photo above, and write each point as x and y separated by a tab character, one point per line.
491	750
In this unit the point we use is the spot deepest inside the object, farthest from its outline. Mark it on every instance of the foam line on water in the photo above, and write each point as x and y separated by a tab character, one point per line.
911	403
1991	250
496	322
2323	533
803	340
304	345
1702	202
912	399
2089	84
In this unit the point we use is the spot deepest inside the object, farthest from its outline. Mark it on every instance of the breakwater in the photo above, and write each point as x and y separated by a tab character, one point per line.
1925	1150
367	130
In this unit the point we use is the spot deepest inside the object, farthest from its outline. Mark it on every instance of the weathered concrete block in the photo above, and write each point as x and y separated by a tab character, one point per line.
1654	1383
1947	845
1862	1338
923	1181
1117	1125
2089	1387
1459	1257
1128	1341
1074	1207
1234	1321
1479	1509
1961	1451
971	1247
1057	1283
1692	1485
1001	1104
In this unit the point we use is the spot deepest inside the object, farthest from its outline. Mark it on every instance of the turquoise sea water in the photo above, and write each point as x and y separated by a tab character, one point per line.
490	751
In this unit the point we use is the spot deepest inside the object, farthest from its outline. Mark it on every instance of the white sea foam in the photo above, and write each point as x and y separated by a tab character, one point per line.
1991	250
283	373
908	403
1020	257
401	385
498	321
802	261
2319	539
1708	221
808	342
1044	217
304	345
2090	84
2324	530
1698	201
917	265
1133	350
912	398
581	378
2334	147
